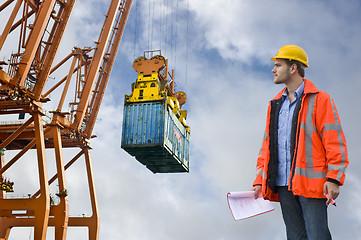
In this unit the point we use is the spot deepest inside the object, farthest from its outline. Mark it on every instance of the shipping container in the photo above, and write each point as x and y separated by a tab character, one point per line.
153	134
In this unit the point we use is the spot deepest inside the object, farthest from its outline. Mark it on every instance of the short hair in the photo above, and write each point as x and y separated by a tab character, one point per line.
300	66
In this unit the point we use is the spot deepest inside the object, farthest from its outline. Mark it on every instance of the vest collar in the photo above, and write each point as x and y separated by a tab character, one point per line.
309	88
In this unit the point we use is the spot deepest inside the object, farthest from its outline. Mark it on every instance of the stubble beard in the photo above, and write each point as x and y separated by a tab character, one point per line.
284	79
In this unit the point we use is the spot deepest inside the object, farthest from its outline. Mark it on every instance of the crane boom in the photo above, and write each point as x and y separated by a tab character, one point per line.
103	60
22	92
107	66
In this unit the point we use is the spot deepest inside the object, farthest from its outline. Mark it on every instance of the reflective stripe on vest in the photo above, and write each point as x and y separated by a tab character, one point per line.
309	128
341	168
260	171
265	136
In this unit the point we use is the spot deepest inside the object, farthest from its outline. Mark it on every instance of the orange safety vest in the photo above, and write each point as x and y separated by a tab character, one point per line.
320	150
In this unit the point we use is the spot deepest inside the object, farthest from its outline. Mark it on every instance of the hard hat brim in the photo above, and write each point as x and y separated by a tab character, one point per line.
274	59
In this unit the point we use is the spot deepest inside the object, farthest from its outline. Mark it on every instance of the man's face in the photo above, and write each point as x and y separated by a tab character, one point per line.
281	72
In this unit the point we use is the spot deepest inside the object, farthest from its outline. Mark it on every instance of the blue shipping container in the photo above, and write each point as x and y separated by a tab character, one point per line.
155	137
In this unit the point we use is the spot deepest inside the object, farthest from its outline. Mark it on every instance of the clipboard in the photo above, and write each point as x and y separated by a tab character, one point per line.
243	205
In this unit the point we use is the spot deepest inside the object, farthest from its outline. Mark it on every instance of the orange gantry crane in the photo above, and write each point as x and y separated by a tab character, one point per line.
25	89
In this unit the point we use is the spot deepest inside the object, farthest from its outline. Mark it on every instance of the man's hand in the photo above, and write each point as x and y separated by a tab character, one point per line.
257	190
332	189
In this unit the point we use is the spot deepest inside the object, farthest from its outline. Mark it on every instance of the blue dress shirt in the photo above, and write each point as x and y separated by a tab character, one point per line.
284	135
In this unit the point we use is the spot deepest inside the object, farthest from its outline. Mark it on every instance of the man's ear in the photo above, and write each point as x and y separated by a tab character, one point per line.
293	69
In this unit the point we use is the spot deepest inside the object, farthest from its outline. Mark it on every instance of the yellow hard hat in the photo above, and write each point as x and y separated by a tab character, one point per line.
292	52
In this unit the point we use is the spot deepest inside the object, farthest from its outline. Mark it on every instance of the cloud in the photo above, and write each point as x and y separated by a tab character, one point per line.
223	64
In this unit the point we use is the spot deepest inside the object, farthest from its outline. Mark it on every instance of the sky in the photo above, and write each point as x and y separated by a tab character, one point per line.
220	51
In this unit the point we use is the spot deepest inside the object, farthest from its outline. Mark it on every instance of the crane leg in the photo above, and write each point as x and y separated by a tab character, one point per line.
41	209
94	220
4	232
61	213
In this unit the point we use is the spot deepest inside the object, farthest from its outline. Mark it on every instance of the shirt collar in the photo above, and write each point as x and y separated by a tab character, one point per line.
298	92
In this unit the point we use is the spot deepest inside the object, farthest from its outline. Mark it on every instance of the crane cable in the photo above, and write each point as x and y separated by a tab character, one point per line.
160	25
165	28
135	27
186	62
175	36
164	39
149	26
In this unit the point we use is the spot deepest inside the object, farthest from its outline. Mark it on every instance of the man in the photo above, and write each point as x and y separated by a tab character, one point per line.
304	155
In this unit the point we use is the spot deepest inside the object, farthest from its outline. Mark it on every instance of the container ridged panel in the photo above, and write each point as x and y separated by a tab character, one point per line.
143	124
155	137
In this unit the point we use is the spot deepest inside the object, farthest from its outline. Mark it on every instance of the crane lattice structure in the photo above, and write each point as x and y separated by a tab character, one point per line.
23	80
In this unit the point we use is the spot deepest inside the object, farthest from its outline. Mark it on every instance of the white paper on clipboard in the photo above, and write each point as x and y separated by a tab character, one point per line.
243	205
